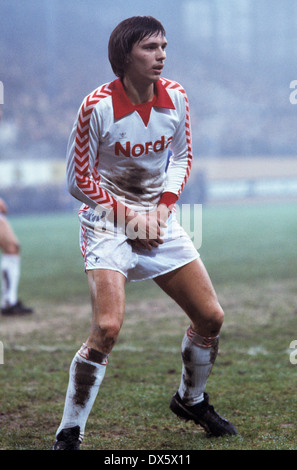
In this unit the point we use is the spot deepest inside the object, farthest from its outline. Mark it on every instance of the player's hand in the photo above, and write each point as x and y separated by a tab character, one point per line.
145	230
163	212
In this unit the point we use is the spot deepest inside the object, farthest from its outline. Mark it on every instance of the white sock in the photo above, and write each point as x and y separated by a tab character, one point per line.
10	272
198	356
85	377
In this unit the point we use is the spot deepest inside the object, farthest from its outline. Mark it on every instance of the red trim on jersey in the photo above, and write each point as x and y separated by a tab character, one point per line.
83	247
89	183
144	110
176	86
123	106
169	199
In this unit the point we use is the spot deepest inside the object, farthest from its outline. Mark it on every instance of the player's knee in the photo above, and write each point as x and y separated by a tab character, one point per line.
214	320
217	320
105	334
111	329
211	322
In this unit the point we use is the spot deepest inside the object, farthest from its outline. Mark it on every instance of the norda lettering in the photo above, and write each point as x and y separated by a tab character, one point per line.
142	149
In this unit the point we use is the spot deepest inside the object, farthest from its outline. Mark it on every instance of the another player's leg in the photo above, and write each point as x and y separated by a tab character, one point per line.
87	370
192	289
10	271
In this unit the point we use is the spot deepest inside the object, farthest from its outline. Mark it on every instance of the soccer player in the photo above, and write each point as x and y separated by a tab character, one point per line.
10	268
117	155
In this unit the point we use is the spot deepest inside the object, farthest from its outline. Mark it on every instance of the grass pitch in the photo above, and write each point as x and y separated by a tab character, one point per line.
250	253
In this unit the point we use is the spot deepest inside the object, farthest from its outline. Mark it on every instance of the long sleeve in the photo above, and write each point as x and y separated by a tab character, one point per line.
82	154
181	159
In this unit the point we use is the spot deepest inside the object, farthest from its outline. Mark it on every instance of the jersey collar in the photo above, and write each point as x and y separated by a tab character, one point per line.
122	106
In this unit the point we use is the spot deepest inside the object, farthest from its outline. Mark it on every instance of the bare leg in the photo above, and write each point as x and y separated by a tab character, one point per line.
9	243
191	288
87	370
107	289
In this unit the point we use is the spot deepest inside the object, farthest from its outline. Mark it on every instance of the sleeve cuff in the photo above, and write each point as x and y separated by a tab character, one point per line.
169	199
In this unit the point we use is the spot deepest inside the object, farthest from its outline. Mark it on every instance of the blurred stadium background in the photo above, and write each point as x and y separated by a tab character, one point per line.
237	61
235	58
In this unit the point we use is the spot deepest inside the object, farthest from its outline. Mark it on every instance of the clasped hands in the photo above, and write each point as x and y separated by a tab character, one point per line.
146	230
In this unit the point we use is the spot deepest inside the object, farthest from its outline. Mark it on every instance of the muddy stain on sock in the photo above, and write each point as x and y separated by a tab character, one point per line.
85	377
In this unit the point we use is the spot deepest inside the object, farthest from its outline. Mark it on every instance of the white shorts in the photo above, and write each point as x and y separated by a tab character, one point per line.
103	249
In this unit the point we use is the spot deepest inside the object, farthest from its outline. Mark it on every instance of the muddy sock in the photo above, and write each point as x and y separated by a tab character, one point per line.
85	376
198	356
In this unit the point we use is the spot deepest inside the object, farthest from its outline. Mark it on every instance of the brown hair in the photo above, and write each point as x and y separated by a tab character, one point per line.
125	35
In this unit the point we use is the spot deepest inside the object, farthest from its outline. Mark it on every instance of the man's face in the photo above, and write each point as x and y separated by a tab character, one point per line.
146	60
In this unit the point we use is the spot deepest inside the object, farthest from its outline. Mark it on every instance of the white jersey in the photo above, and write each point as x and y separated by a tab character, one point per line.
118	152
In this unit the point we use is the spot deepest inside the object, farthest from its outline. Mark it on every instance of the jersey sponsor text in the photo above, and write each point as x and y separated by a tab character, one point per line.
139	150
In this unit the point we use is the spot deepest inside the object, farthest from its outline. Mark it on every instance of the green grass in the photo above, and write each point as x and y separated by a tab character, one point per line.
250	243
250	252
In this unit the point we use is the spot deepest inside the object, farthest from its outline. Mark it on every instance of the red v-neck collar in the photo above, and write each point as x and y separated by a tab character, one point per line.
122	105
